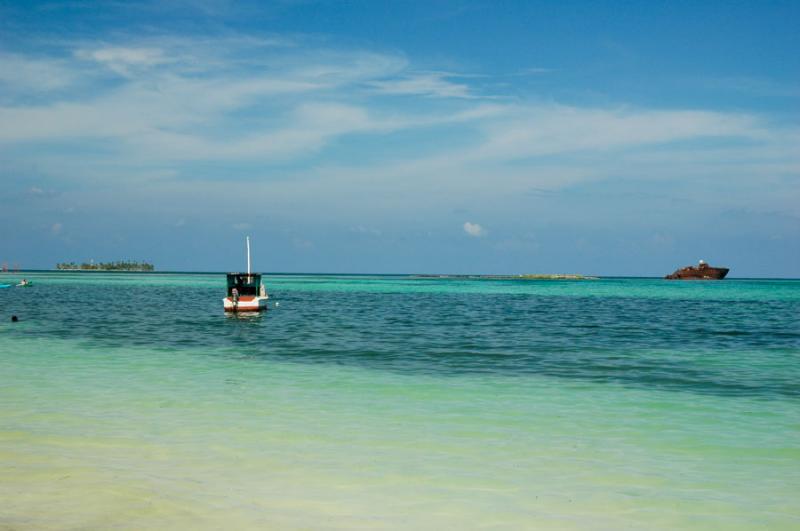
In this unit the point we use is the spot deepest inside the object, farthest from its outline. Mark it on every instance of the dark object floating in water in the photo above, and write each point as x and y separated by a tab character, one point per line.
14	318
701	271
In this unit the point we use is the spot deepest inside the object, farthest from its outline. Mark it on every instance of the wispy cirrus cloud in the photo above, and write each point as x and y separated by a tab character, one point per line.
173	92
124	60
429	84
22	74
550	129
176	102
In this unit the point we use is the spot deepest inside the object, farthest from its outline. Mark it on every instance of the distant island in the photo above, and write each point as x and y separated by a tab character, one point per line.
512	277
106	266
554	277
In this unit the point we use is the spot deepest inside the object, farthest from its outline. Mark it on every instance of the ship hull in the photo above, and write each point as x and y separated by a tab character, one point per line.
699	273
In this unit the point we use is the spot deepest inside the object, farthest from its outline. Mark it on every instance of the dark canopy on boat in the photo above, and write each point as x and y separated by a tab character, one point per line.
245	284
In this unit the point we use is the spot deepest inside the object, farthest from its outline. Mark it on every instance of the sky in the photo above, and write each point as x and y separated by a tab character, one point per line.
503	137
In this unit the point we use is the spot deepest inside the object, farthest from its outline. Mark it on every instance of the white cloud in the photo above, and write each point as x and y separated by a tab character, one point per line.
253	106
32	74
176	113
432	84
474	230
123	60
549	129
240	98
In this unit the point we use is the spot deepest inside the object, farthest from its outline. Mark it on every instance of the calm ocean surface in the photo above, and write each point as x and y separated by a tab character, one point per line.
132	401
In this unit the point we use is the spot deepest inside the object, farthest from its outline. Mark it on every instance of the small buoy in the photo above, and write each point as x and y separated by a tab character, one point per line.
277	304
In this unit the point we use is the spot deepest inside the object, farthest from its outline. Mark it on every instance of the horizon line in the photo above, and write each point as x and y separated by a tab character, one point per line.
306	273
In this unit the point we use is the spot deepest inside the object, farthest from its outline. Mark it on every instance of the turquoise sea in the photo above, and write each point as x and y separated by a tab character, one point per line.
131	401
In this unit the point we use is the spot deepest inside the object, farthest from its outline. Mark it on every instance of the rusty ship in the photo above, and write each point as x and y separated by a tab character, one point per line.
702	271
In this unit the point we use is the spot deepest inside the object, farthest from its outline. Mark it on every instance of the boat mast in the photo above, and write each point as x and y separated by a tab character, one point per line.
248	258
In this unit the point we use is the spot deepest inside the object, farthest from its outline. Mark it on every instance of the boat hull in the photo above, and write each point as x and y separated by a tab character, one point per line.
699	273
245	304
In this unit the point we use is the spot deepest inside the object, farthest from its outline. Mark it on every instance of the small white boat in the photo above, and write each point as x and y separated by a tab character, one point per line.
246	293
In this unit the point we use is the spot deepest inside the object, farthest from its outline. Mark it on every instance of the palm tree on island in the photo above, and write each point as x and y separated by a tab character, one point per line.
119	265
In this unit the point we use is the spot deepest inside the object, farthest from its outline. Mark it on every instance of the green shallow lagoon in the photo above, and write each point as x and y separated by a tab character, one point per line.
131	401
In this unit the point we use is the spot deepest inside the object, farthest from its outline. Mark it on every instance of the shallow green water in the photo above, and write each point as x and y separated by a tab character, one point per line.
131	401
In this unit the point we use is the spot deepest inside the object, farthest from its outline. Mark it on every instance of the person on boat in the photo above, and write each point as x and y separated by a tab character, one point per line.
235	295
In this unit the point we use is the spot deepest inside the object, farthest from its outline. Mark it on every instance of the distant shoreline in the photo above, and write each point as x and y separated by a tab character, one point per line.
102	270
119	265
339	274
511	277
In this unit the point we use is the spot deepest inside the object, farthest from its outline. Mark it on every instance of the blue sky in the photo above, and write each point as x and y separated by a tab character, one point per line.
610	138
